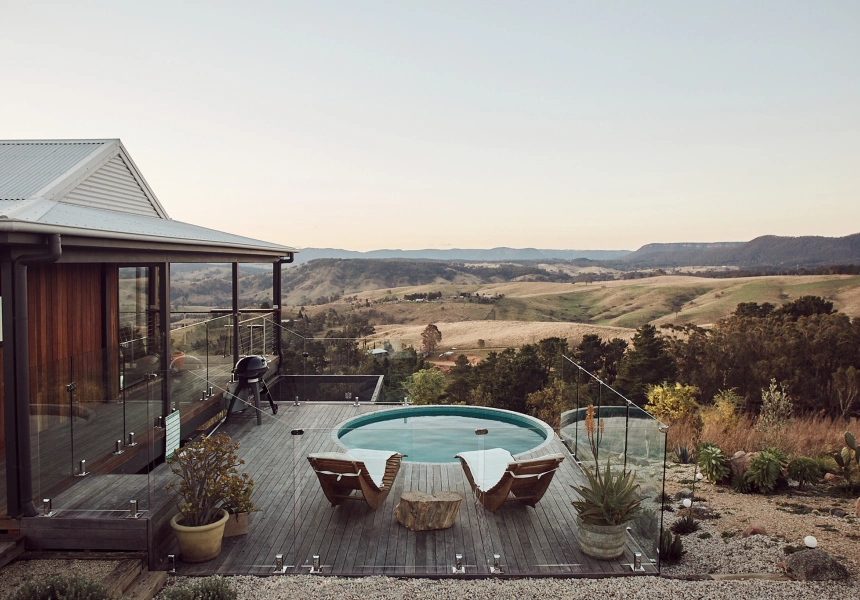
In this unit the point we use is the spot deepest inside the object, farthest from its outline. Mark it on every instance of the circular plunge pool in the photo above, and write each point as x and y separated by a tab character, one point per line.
434	434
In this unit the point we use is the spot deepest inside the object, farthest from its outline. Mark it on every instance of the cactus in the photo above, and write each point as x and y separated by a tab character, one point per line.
848	455
671	546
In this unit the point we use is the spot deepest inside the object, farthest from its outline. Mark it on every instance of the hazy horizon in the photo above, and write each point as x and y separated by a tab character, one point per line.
557	125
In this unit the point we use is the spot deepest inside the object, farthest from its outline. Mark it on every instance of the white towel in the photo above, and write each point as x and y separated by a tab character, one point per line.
374	460
487	466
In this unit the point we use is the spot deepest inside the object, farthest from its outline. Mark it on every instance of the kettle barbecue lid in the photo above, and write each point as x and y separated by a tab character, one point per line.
251	364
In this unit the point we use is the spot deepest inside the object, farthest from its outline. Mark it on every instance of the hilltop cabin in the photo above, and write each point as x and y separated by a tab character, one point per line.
92	374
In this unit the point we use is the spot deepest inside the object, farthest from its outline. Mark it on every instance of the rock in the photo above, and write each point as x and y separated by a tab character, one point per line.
684	493
419	511
814	565
754	529
740	461
857	508
648	490
838	513
831	478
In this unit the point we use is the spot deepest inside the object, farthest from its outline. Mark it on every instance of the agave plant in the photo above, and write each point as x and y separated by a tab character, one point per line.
608	499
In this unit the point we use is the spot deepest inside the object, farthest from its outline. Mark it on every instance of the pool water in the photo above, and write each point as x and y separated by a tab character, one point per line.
436	434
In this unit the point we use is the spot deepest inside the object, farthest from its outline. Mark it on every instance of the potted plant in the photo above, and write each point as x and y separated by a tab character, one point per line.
608	502
238	505
208	477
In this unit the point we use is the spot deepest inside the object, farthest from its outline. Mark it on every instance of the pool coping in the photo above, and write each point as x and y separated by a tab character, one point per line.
549	431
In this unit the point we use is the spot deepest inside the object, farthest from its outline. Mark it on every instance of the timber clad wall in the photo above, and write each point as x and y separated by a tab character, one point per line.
67	319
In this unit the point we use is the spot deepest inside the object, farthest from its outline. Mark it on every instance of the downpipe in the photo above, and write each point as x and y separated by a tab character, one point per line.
22	369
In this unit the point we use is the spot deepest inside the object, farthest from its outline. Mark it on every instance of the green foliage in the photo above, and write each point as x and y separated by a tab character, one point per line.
608	499
804	470
683	454
713	463
648	363
671	402
775	414
209	588
685	525
208	478
425	386
548	404
60	587
430	338
740	484
671	546
765	469
848	458
827	464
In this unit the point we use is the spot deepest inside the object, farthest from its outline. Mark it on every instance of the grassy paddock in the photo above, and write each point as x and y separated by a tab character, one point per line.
805	436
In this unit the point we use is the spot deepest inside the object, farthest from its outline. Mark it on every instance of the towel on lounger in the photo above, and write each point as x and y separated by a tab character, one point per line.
487	466
374	460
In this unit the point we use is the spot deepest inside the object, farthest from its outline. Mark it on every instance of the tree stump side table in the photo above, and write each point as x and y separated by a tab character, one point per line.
420	511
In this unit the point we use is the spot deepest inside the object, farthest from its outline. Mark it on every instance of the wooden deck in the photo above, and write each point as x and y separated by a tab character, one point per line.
295	520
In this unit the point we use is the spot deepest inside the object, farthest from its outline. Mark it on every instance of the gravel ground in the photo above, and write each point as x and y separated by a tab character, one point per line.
297	587
16	573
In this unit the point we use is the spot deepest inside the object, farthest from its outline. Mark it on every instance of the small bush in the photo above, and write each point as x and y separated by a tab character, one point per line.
210	588
64	587
712	461
804	470
671	546
683	454
765	469
685	525
827	464
670	402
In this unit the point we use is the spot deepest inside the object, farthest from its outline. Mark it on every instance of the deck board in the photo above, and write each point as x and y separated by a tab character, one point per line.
295	519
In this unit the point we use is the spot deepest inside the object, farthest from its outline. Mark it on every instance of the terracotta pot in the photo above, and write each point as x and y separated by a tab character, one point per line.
199	544
237	524
602	541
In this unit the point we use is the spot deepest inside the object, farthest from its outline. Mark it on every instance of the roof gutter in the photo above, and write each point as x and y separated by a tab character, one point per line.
23	467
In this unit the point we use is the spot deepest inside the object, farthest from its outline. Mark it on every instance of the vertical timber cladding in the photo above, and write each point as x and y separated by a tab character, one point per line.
66	324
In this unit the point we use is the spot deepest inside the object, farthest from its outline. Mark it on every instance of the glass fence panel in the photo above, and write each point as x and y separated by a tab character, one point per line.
219	351
86	427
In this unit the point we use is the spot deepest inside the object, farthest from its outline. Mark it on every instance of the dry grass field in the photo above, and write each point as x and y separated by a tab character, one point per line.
498	334
676	299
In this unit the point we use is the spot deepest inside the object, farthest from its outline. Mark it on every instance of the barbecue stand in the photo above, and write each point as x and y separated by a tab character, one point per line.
249	373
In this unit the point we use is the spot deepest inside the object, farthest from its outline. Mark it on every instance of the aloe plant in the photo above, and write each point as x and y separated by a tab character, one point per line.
608	499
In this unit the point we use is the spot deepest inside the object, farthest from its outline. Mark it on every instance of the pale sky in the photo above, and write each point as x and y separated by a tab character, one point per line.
367	125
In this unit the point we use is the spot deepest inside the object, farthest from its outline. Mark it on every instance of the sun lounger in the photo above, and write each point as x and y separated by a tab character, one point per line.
496	477
369	472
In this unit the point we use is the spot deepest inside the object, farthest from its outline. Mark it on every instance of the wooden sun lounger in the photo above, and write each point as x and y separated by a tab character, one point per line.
340	475
524	480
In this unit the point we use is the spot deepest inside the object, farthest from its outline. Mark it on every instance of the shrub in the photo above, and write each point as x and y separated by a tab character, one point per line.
724	413
712	461
775	414
683	454
827	464
685	525
765	469
671	546
804	470
670	403
740	484
210	588
66	587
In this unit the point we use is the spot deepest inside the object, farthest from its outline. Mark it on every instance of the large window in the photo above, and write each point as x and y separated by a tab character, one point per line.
139	332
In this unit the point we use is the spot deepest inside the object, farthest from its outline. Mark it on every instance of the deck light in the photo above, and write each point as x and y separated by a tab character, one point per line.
280	568
82	471
46	508
496	569
119	449
171	564
458	564
315	564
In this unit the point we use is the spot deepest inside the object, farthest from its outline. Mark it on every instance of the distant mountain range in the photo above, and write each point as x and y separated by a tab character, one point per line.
768	251
489	255
765	251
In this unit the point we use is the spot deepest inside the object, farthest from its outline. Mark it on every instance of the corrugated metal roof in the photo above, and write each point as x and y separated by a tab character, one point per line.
28	166
80	217
92	188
